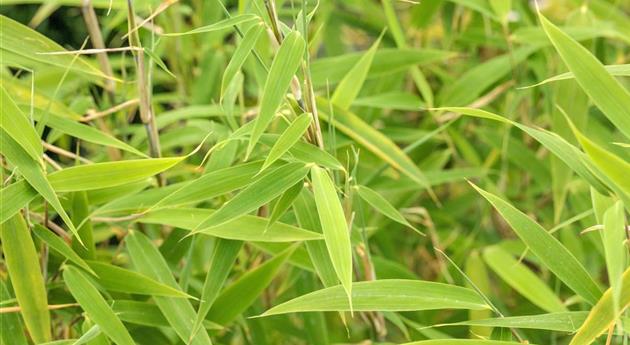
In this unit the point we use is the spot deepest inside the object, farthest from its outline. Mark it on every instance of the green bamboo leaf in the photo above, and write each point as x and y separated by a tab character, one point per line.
33	174
80	213
614	237
109	174
604	90
250	228
147	314
603	314
223	257
15	124
84	132
335	228
206	187
95	306
284	203
547	248
569	154
305	152
384	295
260	192
288	138
10	323
24	270
283	67
237	297
383	206
114	278
220	25
521	279
351	84
331	70
61	247
611	165
613	70
24	47
178	311
561	322
308	218
377	143
241	53
14	197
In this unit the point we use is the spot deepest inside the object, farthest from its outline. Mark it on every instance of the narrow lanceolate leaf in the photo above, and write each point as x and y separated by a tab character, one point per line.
242	293
614	70
250	228
569	154
15	123
95	306
118	279
385	295
223	257
109	174
611	165
603	314
10	323
220	25
614	237
562	322
288	138
349	87
283	67
58	245
547	248
334	227
33	174
178	311
305	152
519	277
603	89
377	143
284	203
383	206
80	213
260	192
241	53
22	263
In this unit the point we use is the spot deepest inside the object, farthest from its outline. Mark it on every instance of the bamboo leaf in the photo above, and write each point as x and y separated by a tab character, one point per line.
237	297
335	228
244	228
259	193
547	248
225	253
118	279
613	237
178	311
97	308
383	206
28	284
284	203
606	92
32	172
220	25
287	139
520	278
284	66
384	295
240	55
603	314
350	86
15	124
58	245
